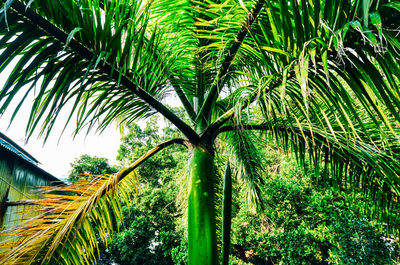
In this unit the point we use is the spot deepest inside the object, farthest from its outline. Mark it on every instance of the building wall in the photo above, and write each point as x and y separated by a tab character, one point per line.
18	182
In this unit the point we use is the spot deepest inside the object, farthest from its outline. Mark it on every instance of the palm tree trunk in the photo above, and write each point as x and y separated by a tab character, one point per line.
201	212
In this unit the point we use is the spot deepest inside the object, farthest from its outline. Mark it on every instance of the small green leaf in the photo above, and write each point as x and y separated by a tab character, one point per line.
377	22
366	4
71	36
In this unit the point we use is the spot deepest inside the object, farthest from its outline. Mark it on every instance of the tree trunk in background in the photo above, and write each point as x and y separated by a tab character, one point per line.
201	212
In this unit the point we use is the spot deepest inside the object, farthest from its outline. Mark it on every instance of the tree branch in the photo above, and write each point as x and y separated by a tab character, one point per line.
244	127
106	68
20	202
185	102
212	129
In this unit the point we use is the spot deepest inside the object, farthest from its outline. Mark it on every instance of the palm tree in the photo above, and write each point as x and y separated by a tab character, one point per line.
321	77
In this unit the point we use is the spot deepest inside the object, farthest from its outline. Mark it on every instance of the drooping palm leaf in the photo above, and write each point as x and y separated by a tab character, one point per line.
248	164
358	165
102	72
62	231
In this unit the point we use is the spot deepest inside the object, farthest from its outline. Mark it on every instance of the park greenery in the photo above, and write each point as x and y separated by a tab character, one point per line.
300	223
319	79
86	166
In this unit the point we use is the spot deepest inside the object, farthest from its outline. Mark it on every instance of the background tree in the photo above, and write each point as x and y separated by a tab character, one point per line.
305	223
153	231
324	75
93	165
138	140
301	223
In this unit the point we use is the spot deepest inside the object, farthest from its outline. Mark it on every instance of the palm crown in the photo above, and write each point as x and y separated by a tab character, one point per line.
320	76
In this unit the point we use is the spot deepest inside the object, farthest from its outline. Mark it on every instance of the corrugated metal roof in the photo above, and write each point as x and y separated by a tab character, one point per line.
10	145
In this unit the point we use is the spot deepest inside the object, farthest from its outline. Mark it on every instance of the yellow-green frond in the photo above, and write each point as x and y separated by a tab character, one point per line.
63	231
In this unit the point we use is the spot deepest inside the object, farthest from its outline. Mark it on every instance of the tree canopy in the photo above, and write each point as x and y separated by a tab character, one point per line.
301	222
321	77
87	165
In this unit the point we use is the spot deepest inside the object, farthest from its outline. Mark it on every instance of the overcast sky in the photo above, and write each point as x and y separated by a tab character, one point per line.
55	156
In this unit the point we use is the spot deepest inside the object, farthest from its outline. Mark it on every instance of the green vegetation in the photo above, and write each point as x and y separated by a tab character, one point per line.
150	234
320	78
300	223
85	165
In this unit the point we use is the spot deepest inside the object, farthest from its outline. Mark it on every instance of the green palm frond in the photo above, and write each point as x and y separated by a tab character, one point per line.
101	62
247	163
227	51
178	31
359	166
326	83
346	146
327	57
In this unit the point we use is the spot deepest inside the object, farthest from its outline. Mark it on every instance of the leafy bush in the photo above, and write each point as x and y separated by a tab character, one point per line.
150	235
91	165
303	225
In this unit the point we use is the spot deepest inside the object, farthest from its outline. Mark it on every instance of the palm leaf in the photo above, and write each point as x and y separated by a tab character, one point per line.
247	164
331	57
358	166
62	232
103	71
327	87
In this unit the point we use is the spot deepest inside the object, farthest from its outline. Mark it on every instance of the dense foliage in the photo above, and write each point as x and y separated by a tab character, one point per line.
136	141
86	165
323	75
153	231
150	234
300	223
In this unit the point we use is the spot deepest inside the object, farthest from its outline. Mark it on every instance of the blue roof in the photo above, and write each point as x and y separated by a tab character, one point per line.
10	145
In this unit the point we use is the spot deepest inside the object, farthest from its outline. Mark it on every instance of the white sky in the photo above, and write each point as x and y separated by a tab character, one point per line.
56	155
